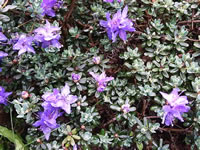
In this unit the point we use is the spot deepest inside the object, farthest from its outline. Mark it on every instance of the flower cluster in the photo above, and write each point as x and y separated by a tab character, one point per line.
101	80
176	106
118	25
53	103
4	95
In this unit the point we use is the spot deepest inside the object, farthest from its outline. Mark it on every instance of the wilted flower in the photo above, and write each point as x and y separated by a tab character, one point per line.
119	24
4	95
61	99
96	60
24	44
48	35
47	121
48	7
101	80
176	106
76	77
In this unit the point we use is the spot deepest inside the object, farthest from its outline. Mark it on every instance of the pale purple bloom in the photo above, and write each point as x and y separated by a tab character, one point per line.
4	95
48	35
174	98
24	44
101	80
176	106
48	7
75	147
3	38
125	108
110	1
47	120
76	77
119	24
96	60
61	99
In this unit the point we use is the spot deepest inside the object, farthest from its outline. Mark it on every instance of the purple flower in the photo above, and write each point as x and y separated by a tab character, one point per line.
110	1
125	108
4	95
48	7
47	121
48	35
3	38
174	98
96	60
101	80
173	112
176	106
76	77
24	44
3	54
75	147
119	24
61	99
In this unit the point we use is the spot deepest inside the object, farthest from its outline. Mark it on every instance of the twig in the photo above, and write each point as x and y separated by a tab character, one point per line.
175	130
109	122
152	117
192	19
68	14
137	32
194	40
189	21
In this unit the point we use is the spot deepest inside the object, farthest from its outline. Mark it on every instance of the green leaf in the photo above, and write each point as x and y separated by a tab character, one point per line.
197	44
19	145
139	146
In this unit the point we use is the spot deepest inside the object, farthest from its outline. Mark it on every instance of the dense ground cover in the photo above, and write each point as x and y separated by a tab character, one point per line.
104	74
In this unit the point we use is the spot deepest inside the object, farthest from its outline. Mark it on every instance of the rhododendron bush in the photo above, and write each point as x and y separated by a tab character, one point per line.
95	75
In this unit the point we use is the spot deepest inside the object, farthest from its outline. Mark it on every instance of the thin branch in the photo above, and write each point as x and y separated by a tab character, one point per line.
68	14
189	21
175	130
194	40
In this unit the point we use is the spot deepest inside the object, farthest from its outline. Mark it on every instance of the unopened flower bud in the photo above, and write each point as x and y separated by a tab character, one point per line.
97	60
79	103
116	135
76	77
39	141
25	94
15	61
82	127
